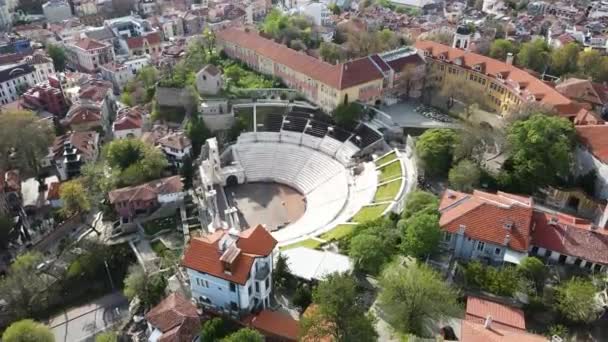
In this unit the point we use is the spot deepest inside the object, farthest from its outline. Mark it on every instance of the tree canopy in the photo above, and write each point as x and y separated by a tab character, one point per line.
421	234
150	289
244	335
74	197
347	114
420	202
25	141
288	29
575	300
337	312
213	330
22	286
465	175
368	252
534	55
414	297
134	161
108	336
57	54
28	330
435	148
564	60
592	64
500	48
541	151
533	269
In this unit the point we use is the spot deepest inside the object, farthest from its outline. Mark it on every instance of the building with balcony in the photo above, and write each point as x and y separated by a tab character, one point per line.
176	146
88	55
70	151
231	271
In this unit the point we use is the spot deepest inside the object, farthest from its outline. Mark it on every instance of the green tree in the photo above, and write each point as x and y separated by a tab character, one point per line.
135	161
281	274
421	234
541	151
435	149
244	335
108	336
575	300
465	176
187	171
150	289
503	282
500	48
592	64
57	54
534	55
534	270
74	197
330	52
6	228
337	307
198	133
25	141
414	297
368	252
213	330
564	60
302	297
28	330
418	202
127	99
22	287
347	114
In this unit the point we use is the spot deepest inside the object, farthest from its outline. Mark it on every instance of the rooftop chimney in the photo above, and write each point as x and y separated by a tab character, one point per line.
488	322
509	59
507	239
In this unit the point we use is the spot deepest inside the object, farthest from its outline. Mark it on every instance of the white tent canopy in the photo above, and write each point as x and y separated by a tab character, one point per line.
311	264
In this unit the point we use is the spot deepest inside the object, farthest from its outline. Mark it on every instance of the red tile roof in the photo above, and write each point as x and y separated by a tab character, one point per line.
176	317
339	76
84	142
502	219
595	137
89	44
81	114
581	90
503	316
53	193
176	140
95	90
536	87
274	324
138	42
128	118
147	191
203	254
571	236
475	332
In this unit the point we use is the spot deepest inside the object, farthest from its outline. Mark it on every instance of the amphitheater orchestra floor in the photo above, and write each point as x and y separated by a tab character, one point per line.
272	204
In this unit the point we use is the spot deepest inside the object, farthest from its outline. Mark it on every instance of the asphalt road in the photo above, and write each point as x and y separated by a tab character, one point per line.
84	322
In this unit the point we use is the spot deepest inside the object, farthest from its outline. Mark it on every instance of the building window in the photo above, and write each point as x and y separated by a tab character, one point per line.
534	250
257	287
480	245
597	268
578	261
447	237
250	290
233	306
232	287
267	283
497	251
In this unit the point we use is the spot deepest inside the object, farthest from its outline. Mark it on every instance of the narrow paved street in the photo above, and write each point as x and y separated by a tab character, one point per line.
84	322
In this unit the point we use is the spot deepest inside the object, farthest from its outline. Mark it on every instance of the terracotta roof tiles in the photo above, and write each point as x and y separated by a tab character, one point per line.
89	44
503	316
274	324
176	317
147	191
475	332
595	137
502	219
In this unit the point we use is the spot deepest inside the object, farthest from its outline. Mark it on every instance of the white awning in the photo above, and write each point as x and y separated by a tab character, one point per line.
312	264
513	256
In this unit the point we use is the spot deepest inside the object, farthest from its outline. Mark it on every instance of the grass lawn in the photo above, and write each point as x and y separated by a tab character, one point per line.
390	171
369	213
386	158
388	191
155	226
338	232
310	243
